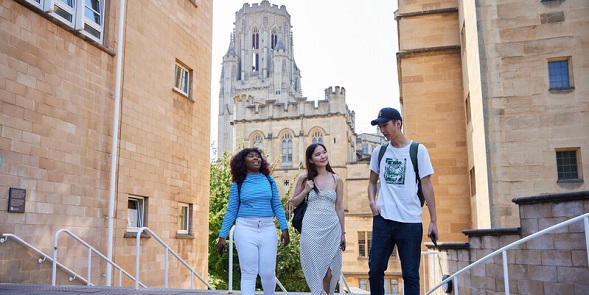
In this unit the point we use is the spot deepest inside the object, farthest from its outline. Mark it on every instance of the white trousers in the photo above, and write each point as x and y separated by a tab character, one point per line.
256	241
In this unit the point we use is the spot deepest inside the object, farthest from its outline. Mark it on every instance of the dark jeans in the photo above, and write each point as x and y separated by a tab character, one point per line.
386	234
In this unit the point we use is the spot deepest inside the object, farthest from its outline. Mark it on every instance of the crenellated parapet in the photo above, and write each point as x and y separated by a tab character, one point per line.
250	109
264	6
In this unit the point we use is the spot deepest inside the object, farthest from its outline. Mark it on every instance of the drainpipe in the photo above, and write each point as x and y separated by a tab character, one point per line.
115	142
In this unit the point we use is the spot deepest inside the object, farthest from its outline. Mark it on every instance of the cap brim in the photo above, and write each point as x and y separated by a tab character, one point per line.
379	121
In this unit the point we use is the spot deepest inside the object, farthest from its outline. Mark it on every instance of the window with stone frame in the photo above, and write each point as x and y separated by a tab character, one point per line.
317	137
136	213
287	148
85	16
568	165
183	79
184	218
257	140
255	48
560	74
273	39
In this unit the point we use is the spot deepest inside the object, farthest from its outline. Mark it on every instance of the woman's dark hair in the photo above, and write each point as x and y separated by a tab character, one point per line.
311	169
237	164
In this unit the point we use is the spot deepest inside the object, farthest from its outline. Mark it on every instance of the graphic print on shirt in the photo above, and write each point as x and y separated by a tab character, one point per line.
394	172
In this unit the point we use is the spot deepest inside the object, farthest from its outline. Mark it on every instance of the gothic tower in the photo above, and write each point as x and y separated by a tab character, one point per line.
259	65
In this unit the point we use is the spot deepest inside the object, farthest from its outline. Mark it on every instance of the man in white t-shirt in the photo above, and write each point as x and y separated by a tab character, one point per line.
397	210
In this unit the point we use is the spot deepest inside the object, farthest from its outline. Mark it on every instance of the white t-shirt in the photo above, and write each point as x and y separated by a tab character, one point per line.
397	192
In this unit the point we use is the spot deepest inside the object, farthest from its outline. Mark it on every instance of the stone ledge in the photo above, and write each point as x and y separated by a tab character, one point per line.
492	232
549	198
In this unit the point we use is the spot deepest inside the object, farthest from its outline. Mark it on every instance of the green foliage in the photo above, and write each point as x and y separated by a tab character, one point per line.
288	266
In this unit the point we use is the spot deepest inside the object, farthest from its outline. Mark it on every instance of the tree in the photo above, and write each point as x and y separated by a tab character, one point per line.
288	266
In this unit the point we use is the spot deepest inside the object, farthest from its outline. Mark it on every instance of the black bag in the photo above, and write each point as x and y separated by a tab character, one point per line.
298	214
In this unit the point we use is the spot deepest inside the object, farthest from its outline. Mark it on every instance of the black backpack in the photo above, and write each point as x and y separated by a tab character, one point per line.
413	155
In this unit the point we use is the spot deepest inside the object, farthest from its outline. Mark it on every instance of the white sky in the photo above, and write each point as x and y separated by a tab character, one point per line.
345	43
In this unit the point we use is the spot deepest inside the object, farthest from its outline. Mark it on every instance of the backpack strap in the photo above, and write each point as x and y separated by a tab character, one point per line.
383	149
413	155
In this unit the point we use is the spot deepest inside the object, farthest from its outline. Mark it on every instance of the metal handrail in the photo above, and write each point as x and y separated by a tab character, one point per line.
168	250
73	274
230	283
90	250
503	251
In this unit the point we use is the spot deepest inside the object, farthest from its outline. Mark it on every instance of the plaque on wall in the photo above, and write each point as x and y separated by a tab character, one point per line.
16	200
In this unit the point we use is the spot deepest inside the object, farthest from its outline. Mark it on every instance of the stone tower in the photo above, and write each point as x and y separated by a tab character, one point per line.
259	64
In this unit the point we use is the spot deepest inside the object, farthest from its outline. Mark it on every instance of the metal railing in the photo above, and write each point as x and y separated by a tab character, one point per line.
503	252
73	274
433	270
90	251
168	250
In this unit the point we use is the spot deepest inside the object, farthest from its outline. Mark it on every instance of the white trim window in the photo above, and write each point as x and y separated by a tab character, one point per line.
135	213
182	79
86	16
184	218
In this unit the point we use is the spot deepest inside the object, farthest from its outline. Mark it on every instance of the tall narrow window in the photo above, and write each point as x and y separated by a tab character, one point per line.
473	182
255	61
567	165
364	239
317	137
256	39
136	213
255	47
467	108
287	148
182	79
184	213
274	39
559	74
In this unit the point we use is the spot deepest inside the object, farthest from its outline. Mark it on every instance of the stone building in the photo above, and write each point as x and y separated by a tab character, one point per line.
499	92
59	84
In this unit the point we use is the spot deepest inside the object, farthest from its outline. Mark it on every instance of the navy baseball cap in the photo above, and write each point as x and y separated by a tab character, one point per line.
385	115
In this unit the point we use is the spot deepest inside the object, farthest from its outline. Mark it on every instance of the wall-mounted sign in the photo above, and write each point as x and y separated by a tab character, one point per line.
16	200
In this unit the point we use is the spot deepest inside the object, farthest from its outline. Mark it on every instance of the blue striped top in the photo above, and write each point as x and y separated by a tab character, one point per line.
258	199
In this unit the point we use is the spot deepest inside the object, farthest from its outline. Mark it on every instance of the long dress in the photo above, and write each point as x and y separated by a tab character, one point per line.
320	241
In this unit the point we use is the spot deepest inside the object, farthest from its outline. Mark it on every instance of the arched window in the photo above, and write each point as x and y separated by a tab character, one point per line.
256	39
287	148
273	39
258	141
317	137
255	47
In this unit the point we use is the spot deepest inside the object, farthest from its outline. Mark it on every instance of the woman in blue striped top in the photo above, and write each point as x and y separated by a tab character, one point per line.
253	204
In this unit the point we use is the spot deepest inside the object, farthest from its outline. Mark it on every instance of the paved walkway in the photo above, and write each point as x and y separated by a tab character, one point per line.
36	289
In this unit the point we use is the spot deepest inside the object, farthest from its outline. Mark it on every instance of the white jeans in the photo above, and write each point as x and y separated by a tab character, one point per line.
256	241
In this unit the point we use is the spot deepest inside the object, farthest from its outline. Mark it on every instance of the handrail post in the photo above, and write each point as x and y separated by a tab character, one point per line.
54	264
230	283
89	265
137	253
166	267
586	222
505	272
